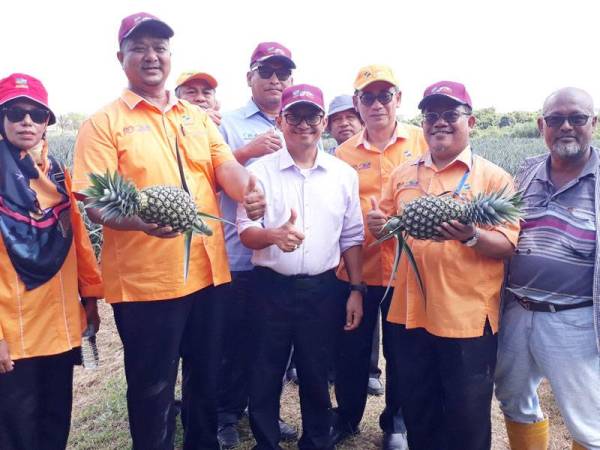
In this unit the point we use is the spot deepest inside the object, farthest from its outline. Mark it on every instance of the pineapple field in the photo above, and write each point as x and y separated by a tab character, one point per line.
99	408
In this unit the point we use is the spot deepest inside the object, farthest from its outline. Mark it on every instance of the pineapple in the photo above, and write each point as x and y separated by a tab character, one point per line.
117	198
421	216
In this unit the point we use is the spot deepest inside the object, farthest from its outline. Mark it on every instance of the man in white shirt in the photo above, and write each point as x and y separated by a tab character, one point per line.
312	219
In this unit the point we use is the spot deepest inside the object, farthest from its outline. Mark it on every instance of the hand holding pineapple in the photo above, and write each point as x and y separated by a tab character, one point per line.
254	199
454	230
287	237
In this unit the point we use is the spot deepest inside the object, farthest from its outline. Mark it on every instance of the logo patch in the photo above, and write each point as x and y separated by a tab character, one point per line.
362	166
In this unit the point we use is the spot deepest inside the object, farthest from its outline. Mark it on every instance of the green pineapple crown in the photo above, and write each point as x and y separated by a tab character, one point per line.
113	195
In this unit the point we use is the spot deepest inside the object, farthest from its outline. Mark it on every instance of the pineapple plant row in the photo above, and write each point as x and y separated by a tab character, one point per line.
421	217
117	198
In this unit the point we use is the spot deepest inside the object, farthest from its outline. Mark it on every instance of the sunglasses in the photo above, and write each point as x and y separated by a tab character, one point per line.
575	120
450	116
295	120
38	115
266	72
383	97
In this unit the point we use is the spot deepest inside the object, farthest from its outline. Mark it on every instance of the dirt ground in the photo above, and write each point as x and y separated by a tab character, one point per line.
100	414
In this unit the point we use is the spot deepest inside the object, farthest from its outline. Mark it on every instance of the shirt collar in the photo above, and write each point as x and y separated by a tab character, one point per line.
286	161
465	157
400	132
543	173
252	108
132	100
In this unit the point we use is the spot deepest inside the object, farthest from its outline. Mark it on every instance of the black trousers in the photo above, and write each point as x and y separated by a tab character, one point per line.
236	358
303	312
445	386
353	363
154	334
35	403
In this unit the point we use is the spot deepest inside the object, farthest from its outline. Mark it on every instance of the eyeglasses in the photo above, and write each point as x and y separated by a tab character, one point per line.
267	72
450	116
383	97
575	120
38	115
295	120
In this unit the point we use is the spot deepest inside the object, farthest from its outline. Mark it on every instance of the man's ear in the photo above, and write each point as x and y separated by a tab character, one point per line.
120	57
249	78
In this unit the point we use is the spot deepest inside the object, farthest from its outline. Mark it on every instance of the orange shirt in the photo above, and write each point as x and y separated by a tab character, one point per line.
374	168
462	286
49	320
138	140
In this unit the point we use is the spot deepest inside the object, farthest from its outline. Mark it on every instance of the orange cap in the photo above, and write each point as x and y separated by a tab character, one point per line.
372	73
187	76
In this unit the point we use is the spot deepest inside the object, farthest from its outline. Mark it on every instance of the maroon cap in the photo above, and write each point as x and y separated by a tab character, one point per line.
271	50
302	93
20	85
131	23
449	89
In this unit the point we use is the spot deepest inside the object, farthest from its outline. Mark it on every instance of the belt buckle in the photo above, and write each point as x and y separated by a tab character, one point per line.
551	308
525	304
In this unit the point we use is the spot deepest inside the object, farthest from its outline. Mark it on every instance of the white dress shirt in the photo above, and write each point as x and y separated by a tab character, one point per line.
326	201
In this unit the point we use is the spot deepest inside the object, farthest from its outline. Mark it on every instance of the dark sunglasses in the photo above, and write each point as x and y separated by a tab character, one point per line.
383	97
295	120
575	120
267	72
450	116
38	115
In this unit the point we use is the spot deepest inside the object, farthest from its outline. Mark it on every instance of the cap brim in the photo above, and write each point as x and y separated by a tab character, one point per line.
51	119
333	111
212	82
298	102
361	86
156	27
426	100
281	58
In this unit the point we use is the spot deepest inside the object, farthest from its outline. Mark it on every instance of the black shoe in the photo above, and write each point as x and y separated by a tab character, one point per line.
228	436
394	441
340	433
375	387
288	433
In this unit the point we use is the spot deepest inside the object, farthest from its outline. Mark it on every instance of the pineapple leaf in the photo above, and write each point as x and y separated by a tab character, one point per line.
210	216
413	264
397	254
187	239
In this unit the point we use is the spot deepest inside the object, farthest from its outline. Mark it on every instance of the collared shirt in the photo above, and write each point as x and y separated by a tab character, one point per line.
554	260
326	200
135	138
462	286
374	168
238	128
49	320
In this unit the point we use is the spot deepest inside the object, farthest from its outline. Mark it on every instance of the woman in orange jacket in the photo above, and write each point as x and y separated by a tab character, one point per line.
46	265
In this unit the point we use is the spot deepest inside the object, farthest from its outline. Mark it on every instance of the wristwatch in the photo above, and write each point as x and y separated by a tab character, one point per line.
362	288
473	241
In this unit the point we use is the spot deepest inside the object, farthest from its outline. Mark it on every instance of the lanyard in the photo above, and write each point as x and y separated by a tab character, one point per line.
461	183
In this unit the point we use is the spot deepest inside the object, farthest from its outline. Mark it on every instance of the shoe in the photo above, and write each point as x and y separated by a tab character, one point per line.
228	436
291	376
340	433
375	387
394	441
288	432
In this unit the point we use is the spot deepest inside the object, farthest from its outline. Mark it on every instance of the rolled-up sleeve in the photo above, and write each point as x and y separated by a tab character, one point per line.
353	231
242	220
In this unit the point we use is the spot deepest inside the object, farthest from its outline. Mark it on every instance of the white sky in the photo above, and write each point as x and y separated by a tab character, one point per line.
510	54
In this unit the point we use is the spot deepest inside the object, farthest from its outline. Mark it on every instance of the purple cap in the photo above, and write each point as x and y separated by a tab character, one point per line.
272	50
131	23
449	89
302	93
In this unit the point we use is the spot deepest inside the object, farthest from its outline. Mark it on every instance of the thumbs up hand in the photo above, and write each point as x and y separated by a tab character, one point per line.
254	199
376	219
287	237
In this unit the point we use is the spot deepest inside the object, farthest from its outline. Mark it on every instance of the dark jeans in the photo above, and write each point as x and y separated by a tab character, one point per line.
154	334
445	386
35	403
303	312
236	358
353	361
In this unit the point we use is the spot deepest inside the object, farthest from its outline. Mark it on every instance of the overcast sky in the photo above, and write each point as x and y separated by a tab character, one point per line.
510	54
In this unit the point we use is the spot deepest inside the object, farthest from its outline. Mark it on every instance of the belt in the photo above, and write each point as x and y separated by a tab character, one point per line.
300	277
530	305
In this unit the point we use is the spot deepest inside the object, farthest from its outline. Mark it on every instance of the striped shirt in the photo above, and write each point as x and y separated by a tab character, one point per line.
554	259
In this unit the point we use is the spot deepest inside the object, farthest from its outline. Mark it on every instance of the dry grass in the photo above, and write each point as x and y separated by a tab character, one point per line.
100	413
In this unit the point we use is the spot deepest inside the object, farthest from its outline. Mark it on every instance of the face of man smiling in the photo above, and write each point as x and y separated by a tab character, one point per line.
446	139
146	60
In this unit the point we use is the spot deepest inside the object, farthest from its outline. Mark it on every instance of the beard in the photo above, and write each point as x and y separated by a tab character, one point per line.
569	151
